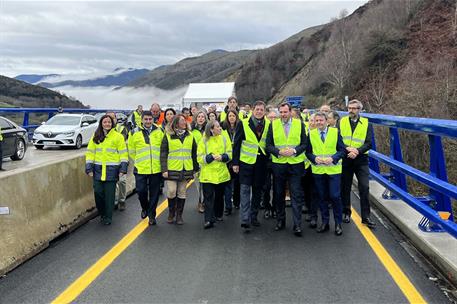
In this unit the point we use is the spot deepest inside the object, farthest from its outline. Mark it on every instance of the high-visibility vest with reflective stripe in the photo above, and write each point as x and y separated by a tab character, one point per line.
215	172
281	142
250	146
356	139
137	118
197	135
146	156
223	115
111	152
307	162
325	149
180	153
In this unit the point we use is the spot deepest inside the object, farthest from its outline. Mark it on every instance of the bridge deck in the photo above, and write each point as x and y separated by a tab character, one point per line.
183	264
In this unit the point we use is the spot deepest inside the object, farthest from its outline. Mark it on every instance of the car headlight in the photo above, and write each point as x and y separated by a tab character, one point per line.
69	134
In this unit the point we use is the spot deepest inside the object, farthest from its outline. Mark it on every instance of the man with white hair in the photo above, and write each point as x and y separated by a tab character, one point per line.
356	133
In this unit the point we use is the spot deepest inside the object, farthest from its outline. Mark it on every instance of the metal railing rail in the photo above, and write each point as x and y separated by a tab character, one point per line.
51	112
436	207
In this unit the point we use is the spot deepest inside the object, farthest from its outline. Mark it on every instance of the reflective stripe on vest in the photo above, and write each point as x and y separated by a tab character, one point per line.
215	172
325	149
180	153
146	156
356	139
281	142
250	146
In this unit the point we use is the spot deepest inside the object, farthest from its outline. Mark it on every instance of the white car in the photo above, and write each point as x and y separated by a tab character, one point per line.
66	130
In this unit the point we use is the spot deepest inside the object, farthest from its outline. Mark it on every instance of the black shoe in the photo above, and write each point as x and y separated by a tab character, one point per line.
267	214
1	169
152	222
280	225
338	229
255	223
143	214
323	228
208	225
346	218
297	231
228	212
246	227
219	219
313	224
369	223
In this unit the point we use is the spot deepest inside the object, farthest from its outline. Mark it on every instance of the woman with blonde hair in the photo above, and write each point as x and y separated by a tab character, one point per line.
198	130
214	152
178	161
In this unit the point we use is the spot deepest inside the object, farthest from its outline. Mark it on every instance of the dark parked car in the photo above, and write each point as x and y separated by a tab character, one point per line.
14	139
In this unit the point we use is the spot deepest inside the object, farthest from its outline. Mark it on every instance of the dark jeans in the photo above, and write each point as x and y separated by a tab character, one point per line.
284	173
250	203
362	173
105	193
214	201
309	194
328	187
148	187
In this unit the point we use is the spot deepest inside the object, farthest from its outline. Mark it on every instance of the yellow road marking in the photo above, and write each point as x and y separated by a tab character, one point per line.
78	286
392	268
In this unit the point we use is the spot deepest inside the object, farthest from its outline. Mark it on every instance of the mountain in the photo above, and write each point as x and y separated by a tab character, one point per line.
120	77
214	66
34	78
16	93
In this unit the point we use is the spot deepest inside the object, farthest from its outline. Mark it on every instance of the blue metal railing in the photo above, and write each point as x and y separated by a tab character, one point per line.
51	112
436	207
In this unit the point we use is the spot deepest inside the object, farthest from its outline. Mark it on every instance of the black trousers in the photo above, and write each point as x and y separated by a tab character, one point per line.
213	195
267	191
310	195
361	171
284	173
148	187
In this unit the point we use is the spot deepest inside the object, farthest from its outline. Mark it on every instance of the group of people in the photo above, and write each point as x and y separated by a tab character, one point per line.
236	157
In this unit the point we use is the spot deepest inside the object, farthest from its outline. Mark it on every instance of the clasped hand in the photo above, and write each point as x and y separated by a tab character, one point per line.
286	152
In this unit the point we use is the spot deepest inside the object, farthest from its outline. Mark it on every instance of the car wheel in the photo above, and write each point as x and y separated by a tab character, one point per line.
20	150
79	142
39	147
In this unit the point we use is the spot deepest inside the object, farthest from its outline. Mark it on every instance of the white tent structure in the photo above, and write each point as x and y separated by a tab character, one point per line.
204	94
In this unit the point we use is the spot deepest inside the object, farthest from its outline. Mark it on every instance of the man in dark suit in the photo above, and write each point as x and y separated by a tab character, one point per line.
250	162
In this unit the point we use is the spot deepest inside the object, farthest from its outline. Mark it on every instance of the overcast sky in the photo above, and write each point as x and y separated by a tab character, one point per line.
96	37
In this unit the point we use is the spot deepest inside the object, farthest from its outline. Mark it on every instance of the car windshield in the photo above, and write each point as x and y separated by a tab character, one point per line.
64	121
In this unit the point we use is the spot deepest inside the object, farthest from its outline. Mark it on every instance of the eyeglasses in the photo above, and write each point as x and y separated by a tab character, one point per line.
353	108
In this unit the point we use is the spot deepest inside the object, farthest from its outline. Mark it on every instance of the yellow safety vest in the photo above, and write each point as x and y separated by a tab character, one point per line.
307	162
111	152
250	146
137	117
356	139
223	115
197	135
305	116
1	136
180	153
325	149
146	156
281	142
216	172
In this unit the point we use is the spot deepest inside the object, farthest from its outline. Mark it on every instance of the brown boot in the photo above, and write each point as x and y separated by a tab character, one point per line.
201	207
171	210
179	210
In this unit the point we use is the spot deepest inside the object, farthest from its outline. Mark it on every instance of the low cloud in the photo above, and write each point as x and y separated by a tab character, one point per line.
125	98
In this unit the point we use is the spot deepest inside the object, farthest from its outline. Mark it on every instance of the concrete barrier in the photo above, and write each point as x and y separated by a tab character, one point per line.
44	201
